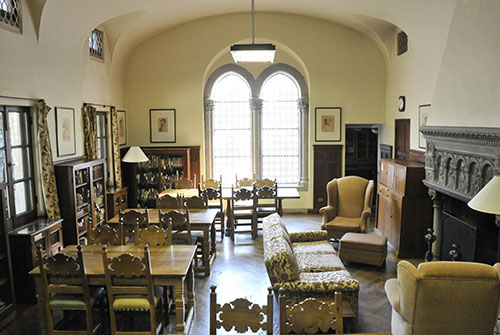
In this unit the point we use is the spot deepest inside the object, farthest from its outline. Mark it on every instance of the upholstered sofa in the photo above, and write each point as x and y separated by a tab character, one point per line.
305	265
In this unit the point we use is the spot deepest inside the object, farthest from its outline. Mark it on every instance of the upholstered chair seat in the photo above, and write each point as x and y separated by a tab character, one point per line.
348	209
75	302
136	302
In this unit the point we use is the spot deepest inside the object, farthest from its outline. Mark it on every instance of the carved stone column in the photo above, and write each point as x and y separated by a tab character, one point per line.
303	104
256	109
208	106
437	203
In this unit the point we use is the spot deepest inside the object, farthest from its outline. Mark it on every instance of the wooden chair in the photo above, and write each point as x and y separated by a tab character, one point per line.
212	183
153	235
266	200
104	235
184	183
128	221
265	182
311	316
196	202
245	182
65	287
168	201
181	226
130	289
241	314
242	208
214	197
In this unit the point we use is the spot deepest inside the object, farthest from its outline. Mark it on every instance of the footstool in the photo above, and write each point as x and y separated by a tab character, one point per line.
363	248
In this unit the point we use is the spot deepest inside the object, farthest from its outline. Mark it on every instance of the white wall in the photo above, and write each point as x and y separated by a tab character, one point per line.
344	68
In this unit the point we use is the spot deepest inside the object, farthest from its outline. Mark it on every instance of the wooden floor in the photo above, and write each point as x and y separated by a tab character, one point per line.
239	271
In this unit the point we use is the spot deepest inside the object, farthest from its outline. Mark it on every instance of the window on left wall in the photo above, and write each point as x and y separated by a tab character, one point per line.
16	165
10	14
96	44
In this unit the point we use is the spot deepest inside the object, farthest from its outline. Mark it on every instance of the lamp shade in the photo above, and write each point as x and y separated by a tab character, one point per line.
261	53
135	155
488	199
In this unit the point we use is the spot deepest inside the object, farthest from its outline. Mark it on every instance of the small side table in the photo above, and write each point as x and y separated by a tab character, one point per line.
24	241
117	198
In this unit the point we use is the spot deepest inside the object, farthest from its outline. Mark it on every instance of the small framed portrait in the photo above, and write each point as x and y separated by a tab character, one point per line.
122	127
423	116
328	124
65	131
162	125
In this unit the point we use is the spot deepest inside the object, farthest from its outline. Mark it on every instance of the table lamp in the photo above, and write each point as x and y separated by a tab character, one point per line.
135	155
488	199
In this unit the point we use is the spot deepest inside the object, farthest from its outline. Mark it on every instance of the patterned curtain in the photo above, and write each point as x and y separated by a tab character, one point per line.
49	186
90	131
116	148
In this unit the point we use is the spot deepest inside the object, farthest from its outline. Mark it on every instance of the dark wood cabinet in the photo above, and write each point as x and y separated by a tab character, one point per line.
327	165
404	208
117	199
146	180
81	186
7	300
24	242
361	146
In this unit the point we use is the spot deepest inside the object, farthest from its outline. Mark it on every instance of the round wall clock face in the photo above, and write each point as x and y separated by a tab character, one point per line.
401	103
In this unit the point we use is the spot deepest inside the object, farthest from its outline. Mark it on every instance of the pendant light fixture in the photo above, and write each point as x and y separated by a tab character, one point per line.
263	53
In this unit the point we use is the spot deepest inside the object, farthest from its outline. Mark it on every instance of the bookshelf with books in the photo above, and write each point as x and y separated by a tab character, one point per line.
81	186
146	180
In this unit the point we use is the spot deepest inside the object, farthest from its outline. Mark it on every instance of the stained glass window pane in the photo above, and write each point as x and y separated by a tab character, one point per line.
2	143
232	128
18	125
10	13
21	165
280	130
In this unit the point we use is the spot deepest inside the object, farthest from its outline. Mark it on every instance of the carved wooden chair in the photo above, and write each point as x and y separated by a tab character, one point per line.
241	314
128	221
65	287
154	236
311	316
243	207
105	235
266	200
244	182
181	226
214	197
168	201
196	202
130	289
212	183
265	182
183	183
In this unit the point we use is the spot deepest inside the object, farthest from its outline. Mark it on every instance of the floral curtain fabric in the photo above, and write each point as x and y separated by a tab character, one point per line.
116	148
49	186
90	131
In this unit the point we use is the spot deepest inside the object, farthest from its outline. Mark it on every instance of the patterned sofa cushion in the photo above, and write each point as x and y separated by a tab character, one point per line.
316	247
325	282
309	262
280	261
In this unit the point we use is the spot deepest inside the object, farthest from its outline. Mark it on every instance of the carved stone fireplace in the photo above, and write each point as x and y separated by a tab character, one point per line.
458	163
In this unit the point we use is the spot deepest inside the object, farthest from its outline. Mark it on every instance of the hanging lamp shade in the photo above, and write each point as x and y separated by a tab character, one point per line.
488	199
135	155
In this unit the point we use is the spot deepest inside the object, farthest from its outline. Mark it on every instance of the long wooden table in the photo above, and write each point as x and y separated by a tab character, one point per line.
283	193
170	266
201	220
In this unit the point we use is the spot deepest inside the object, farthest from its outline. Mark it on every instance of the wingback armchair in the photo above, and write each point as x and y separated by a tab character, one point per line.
444	298
348	207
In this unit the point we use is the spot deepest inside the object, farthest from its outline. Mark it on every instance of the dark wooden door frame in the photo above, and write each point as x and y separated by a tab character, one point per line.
401	124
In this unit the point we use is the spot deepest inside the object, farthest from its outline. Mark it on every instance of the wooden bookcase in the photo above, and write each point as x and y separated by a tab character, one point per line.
7	300
146	180
81	185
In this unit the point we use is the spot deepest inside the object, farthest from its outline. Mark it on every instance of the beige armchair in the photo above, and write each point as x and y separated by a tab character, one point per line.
444	298
348	209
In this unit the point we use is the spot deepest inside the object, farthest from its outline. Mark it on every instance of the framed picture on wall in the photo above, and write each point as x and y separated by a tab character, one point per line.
162	125
65	131
328	124
423	115
122	127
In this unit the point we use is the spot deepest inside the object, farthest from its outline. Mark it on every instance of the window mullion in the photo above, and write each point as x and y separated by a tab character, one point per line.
256	107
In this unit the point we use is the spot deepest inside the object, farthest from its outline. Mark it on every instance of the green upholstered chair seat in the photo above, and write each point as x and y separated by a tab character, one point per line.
74	302
136	302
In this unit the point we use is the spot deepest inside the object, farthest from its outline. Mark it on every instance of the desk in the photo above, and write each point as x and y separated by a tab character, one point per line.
170	266
283	193
201	220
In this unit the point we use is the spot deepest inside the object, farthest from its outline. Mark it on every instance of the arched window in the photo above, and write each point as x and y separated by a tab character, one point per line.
257	127
231	127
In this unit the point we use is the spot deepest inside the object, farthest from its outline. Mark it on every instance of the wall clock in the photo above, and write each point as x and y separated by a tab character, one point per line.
401	103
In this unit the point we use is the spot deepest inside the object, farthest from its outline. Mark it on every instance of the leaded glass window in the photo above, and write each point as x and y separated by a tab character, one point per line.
280	129
10	13
96	44
231	128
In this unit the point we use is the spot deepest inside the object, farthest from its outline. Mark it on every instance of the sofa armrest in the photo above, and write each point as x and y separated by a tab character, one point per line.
365	215
328	212
309	236
392	291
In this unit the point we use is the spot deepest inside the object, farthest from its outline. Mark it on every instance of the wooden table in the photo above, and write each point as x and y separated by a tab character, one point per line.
201	220
283	193
170	266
